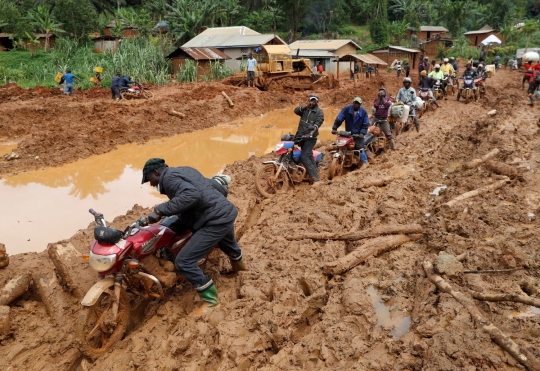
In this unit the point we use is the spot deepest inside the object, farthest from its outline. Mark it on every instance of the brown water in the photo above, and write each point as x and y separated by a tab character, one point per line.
394	320
52	204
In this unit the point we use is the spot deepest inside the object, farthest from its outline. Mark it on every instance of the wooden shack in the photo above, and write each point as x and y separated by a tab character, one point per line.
476	37
203	56
429	33
390	53
105	44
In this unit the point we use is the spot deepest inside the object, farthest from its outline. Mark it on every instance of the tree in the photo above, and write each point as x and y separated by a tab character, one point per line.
44	22
188	17
530	27
378	24
398	31
79	17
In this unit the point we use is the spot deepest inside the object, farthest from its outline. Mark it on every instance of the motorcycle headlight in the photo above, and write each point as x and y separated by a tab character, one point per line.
279	146
102	263
341	142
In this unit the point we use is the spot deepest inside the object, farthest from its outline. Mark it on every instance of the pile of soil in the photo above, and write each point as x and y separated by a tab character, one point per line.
285	312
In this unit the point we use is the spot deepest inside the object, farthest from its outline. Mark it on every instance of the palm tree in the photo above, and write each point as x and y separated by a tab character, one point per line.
44	22
528	29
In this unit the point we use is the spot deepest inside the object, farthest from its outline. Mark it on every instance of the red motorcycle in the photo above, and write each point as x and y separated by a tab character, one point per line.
136	91
344	155
119	258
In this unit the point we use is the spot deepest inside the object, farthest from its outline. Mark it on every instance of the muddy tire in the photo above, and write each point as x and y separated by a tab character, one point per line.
336	168
458	94
96	339
125	95
266	183
397	129
147	94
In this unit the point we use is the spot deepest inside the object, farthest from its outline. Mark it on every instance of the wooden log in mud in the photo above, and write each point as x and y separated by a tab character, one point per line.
377	182
176	113
355	236
371	248
15	288
501	168
52	296
477	161
494	332
64	258
5	321
229	100
524	299
4	257
477	192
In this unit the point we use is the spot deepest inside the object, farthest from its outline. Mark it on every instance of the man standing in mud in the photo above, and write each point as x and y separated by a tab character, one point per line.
203	206
251	64
115	86
381	105
312	117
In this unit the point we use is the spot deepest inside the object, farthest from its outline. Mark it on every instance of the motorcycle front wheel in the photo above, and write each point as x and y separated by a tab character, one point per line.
336	168
266	182
148	94
97	330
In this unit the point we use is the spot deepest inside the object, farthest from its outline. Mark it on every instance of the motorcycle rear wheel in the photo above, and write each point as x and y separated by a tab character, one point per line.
266	182
96	336
336	168
125	95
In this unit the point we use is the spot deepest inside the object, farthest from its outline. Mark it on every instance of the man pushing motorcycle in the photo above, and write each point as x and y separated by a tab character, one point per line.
201	203
356	122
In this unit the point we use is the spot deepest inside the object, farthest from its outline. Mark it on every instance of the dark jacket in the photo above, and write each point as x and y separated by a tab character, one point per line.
191	193
125	82
309	117
115	81
469	73
355	125
426	82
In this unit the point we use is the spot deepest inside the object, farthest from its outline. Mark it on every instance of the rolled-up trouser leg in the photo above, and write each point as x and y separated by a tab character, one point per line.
385	127
197	247
307	158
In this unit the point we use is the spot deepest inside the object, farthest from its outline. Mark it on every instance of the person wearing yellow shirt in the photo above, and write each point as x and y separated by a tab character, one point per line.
448	70
437	74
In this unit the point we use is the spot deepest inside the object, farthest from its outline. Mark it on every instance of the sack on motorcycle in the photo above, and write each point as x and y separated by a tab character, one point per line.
397	110
107	235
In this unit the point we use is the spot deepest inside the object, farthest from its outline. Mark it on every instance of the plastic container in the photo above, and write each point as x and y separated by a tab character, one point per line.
490	68
405	116
58	77
98	69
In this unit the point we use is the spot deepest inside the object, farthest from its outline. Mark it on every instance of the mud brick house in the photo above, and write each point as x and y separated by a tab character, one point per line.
476	37
128	32
235	42
325	51
203	56
390	53
429	33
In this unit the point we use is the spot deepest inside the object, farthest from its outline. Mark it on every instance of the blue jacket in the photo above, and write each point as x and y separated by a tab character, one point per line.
356	125
115	81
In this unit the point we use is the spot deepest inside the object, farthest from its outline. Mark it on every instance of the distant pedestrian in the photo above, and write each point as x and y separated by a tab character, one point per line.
97	80
115	86
506	60
407	69
68	79
398	68
482	55
251	64
314	69
320	68
423	65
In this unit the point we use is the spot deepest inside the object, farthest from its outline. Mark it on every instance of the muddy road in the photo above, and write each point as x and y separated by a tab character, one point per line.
303	305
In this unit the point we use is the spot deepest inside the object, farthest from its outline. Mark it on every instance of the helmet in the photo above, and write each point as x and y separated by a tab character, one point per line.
480	65
468	65
407	79
452	58
437	66
445	60
383	90
423	73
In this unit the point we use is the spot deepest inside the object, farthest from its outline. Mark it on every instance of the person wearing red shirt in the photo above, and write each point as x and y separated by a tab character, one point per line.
528	67
320	68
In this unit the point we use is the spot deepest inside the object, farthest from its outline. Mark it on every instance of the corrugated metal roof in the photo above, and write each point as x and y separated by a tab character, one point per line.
235	30
312	53
484	29
364	58
277	49
205	53
224	41
433	28
385	49
322	44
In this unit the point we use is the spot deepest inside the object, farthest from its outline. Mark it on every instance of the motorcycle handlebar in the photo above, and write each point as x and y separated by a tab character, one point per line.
94	212
98	217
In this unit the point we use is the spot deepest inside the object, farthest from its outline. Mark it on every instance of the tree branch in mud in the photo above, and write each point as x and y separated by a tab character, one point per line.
477	161
494	332
371	248
495	270
524	299
176	113
477	192
231	104
377	183
374	232
501	168
15	288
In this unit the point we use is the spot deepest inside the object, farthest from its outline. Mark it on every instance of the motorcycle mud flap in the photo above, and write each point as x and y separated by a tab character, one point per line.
95	291
107	235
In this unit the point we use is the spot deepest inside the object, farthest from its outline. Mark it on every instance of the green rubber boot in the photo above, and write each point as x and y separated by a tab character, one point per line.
238	265
210	301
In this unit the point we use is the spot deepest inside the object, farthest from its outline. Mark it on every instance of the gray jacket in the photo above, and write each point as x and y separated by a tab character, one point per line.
195	198
309	117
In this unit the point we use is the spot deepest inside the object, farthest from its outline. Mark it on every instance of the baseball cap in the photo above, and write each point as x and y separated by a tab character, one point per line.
314	96
151	165
357	99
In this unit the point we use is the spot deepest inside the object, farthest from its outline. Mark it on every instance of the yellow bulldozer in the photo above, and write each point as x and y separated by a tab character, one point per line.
277	70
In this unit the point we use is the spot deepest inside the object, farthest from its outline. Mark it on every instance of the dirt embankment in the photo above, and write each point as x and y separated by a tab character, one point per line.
285	313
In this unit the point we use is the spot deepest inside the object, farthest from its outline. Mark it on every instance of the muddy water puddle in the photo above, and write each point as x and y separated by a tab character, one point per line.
386	317
52	204
530	312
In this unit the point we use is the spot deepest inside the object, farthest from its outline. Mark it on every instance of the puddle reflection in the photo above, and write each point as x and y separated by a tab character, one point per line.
51	204
399	325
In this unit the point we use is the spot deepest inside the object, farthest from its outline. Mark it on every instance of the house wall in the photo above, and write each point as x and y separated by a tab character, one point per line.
43	41
204	66
128	33
101	46
427	35
389	56
477	38
432	47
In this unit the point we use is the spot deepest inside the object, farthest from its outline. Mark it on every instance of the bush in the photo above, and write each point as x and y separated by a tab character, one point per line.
188	71
217	71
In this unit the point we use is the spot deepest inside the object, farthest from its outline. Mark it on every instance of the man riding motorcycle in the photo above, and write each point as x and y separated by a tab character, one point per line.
448	70
407	95
202	205
426	82
381	105
356	122
470	73
437	74
454	64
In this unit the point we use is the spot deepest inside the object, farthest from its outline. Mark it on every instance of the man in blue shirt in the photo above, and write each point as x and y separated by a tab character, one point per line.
115	86
68	79
251	64
356	122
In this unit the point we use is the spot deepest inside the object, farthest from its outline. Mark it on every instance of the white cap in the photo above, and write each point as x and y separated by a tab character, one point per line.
437	66
445	59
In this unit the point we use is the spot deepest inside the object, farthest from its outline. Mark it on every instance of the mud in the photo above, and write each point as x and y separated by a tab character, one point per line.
285	313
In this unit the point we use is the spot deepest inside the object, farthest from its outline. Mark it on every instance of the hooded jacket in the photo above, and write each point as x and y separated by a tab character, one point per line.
309	117
200	200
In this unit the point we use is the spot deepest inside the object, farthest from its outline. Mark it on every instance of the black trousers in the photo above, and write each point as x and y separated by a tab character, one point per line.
307	158
358	143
